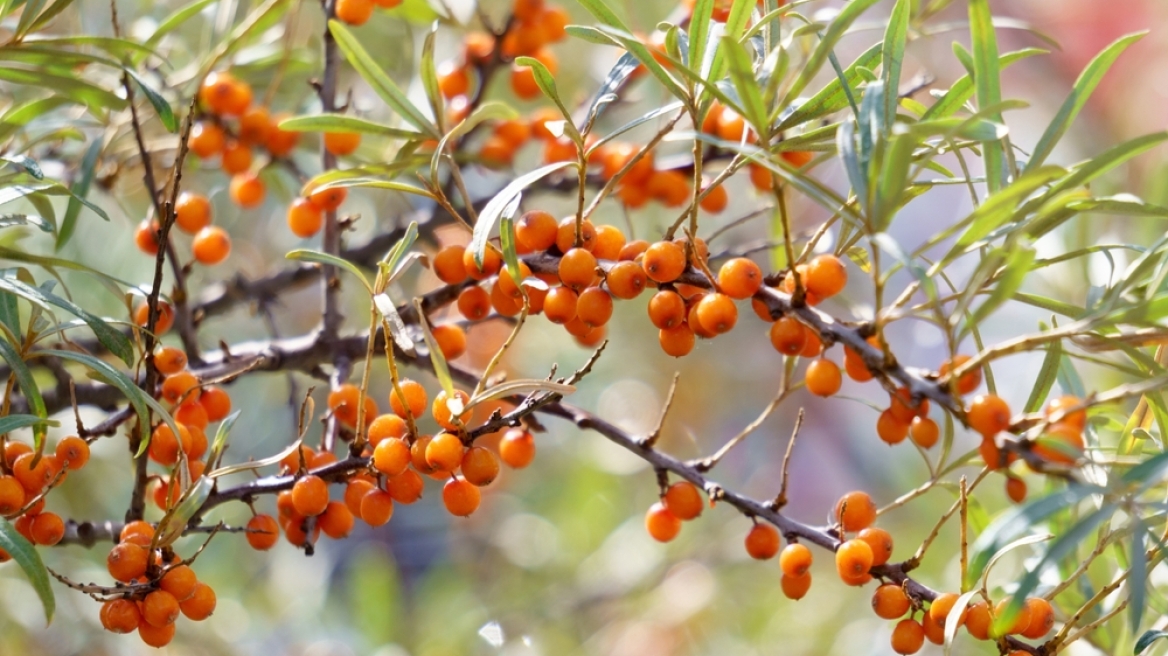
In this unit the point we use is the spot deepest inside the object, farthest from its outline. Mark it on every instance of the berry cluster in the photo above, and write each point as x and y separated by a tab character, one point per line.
26	479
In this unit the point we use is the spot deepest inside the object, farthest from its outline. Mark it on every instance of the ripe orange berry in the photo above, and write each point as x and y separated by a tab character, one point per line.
444	452
280	142
855	511
164	321
310	496
577	268
562	149
358	487
474	303
405	488
683	500
254	125
12	495
169	361
594	307
13	450
661	524
262	532
566	235
823	377
192	212
826	276
216	91
377	507
761	177
788	336
901	405
608	243
717	313
978	621
418	454
492	262
201	604
626	280
211	246
515	133
444	416
304	218
328	199
453	79
33	479
120	616
1041	618
796	587
890	602
908	637
479	466
924	432
881	543
504	304
385	427
496	152
216	402
853	559
536	230
968	381
509	286
155	636
715	200
180	387
126	562
336	521
677	341
354	12
730	126
762	542
890	429
72	452
448	265
988	414
391	456
664	261
180	581
146	237
934	633
670	188
517	448
1077	418
740	278
1016	489
795	560
342	143
1020	623
942	607
236	158
47	529
559	305
206	140
413	396
460	497
666	309
160	608
246	190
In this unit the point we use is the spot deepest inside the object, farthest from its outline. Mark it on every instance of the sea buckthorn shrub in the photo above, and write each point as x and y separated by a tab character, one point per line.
287	281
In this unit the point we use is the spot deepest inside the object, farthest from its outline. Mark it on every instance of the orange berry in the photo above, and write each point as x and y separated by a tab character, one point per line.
762	542
988	414
460	497
155	636
160	608
444	452
192	212
246	190
514	132
216	402
677	341
137	532
968	381
492	262
664	261
304	218
342	143
740	278
554	21
254	125
357	488
608	243
33	479
1020	623
683	500
412	395
505	304
797	158
517	448
562	149
169	361
1078	418
924	432
990	454
826	276
730	125
594	307
180	582
1041	618
670	188
560	305
474	303
180	387
120	616
941	607
853	559
626	280
496	152
385	427
935	633
164	321
206	140
262	532
761	177
405	488
796	587
900	405
126	562
280	142
890	602
508	286
73	452
201	604
1016	489
391	456
788	336
211	246
146	237
444	416
855	511
823	377
47	529
310	496
527	10
795	560
12	495
236	158
448	265
13	450
328	199
377	507
566	235
354	12
479	466
453	79
1061	443
577	268
661	524
418	454
881	543
890	429
666	309
978	621
908	637
215	91
536	230
336	521
715	200
717	313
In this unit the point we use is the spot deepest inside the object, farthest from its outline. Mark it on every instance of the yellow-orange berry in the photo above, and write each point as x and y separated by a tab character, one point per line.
192	212
559	306
823	377
126	561
795	560
988	414
391	456
890	429
853	559
304	218
216	402
160	608
246	190
1076	418
479	466
740	278
1041	618
683	500
594	307
211	246
577	268
788	336
762	542
715	199
262	532
1020	623
336	521
156	636
717	313
1016	489
442	414
676	341
626	280
492	263
405	488
880	541
377	506
47	529
72	452
826	276
120	616
536	230
566	235
796	587
474	303
328	199
978	621
908	637
310	495
444	452
236	157
201	604
661	524
664	261
666	309
517	448
12	495
969	381
412	396
890	602
206	140
460	497
146	237
924	432
855	511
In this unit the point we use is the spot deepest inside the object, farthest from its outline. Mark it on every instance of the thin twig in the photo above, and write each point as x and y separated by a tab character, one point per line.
651	439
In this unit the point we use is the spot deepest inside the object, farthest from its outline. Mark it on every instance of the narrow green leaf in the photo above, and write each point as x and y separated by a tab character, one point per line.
220	442
12	220
507	244
967	128
32	8
987	77
895	38
174	522
1137	578
506	197
832	97
372	183
165	113
1146	640
521	386
699	33
10	423
79	189
49	14
393	257
9	308
172	22
547	84
111	338
746	84
835	31
70	87
309	255
1080	93
892	180
376	77
29	560
441	369
428	73
646	57
606	94
600	10
1046	377
347	124
26	163
28	387
962	90
735	29
1000	207
1017	267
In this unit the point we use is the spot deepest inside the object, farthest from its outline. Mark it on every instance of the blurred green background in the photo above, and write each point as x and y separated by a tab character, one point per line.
556	561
